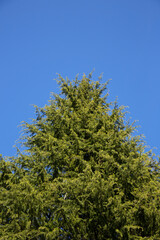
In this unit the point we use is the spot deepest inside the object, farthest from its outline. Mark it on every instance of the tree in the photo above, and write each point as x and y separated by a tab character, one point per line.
82	175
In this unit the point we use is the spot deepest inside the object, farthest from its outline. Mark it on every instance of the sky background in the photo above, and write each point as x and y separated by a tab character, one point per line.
39	38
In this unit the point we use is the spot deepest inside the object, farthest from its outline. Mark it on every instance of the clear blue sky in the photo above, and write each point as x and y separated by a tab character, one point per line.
39	38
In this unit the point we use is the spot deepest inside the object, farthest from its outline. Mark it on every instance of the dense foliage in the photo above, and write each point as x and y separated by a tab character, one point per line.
82	175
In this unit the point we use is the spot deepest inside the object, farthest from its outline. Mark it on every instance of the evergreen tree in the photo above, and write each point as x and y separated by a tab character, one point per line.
82	175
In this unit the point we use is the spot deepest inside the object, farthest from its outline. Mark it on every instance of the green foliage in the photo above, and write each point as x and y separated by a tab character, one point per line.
82	174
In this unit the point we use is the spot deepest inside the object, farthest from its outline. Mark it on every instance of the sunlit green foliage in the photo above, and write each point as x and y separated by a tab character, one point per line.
82	176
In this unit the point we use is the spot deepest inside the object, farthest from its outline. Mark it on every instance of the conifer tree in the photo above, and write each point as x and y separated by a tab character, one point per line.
82	175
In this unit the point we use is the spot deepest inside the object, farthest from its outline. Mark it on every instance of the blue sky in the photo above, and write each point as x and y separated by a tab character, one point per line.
39	38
